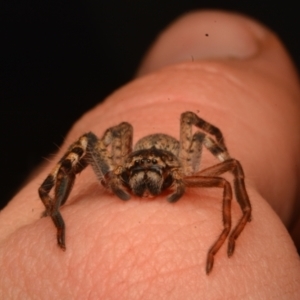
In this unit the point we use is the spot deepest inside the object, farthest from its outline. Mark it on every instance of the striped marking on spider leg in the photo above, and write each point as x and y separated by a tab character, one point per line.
211	129
74	154
62	179
217	150
45	189
189	118
66	163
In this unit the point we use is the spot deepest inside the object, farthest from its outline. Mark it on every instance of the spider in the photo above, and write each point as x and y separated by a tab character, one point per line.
158	162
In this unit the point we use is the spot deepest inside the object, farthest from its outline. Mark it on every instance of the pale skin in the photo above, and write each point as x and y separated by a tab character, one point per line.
148	248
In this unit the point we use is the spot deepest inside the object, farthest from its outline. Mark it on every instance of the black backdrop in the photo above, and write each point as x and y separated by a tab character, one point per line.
59	60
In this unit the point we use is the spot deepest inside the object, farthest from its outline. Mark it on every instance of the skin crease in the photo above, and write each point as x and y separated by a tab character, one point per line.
149	248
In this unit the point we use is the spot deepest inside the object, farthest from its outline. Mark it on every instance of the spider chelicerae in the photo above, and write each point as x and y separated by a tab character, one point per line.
158	162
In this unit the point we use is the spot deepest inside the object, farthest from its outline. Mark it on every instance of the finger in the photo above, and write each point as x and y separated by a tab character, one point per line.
105	237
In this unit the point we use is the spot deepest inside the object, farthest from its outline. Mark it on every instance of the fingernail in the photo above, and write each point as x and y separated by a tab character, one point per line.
206	35
219	35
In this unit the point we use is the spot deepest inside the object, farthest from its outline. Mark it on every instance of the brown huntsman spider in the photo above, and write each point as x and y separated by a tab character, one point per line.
158	162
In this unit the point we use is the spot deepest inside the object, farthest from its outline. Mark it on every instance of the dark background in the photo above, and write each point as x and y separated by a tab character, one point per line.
60	59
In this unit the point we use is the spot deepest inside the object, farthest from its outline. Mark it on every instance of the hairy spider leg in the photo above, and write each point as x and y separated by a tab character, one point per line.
202	181
191	144
195	180
232	165
62	179
191	147
107	155
88	149
227	165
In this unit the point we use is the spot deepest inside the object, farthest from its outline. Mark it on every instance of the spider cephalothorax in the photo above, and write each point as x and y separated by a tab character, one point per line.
157	163
149	172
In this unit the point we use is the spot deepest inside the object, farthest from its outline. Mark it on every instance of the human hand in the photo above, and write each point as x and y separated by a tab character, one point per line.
238	78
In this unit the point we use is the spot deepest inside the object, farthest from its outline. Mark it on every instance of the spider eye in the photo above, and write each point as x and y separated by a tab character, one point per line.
154	161
148	161
137	162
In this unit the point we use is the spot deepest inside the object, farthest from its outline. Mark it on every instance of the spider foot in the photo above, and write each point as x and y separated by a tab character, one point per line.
231	247
61	239
209	263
